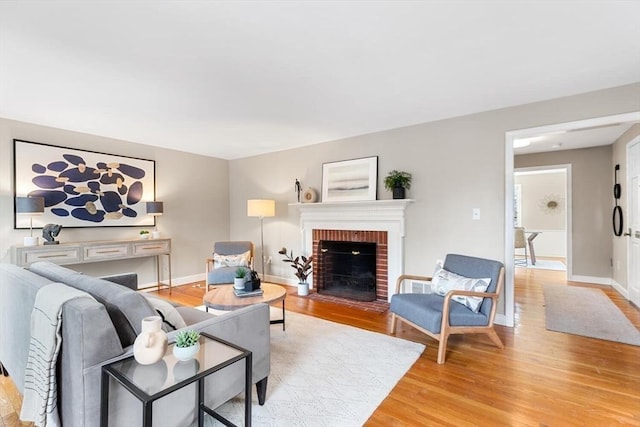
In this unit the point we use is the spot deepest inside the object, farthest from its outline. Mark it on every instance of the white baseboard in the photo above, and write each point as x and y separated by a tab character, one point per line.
591	279
501	319
175	281
620	289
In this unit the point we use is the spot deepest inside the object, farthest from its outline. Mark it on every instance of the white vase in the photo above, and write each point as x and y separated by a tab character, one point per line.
303	289
151	344
238	283
155	234
186	353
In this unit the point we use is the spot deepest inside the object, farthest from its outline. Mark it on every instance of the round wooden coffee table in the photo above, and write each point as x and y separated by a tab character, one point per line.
222	297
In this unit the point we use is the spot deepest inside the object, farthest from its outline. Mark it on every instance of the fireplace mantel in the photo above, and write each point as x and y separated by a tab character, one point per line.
375	215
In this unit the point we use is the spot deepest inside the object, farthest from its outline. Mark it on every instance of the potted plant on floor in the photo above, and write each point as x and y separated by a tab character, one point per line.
302	265
397	182
187	344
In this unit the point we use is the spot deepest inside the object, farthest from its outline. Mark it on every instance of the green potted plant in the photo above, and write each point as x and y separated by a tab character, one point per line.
397	182
240	278
187	344
303	268
144	234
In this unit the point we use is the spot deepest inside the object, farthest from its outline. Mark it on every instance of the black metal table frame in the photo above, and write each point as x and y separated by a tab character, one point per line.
147	401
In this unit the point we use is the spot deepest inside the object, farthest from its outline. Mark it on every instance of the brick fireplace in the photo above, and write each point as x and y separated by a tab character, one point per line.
369	236
379	221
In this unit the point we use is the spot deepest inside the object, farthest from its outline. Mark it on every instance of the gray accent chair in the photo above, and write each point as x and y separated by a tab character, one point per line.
225	275
439	316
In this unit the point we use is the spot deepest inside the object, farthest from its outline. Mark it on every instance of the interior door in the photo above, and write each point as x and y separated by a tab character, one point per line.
633	263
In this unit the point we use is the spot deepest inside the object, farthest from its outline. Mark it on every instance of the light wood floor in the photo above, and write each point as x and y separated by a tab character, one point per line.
541	378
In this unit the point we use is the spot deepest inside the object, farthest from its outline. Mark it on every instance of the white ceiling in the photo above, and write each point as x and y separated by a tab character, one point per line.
233	79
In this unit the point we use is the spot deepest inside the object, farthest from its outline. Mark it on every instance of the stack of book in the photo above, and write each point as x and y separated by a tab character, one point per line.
243	293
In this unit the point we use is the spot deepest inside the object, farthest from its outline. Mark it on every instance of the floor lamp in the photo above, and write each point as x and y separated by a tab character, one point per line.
261	208
30	206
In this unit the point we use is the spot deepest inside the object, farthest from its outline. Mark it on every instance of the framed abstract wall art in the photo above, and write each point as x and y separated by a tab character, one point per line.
83	188
350	180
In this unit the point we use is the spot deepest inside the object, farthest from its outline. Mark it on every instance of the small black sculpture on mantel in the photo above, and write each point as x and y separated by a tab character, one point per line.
298	189
49	232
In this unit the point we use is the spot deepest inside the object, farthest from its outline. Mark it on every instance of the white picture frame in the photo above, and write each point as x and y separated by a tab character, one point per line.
350	180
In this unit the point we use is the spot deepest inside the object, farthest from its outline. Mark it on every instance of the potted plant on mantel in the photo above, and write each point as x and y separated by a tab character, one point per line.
397	182
302	265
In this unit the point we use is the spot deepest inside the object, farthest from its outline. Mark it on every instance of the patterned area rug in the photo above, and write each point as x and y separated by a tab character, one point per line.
588	312
325	374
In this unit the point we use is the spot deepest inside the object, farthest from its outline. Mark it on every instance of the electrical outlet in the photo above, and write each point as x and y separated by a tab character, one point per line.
476	214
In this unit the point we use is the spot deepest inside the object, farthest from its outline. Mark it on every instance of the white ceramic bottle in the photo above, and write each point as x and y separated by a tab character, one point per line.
151	344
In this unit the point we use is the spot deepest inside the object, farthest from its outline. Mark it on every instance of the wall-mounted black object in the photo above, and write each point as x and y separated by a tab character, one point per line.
617	210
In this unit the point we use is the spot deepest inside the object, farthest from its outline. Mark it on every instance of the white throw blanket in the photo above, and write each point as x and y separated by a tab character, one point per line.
39	402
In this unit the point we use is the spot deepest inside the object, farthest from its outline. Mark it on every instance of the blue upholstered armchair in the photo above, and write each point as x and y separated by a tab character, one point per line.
442	315
227	257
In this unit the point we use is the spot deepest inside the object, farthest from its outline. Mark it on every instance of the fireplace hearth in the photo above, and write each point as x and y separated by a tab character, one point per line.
347	269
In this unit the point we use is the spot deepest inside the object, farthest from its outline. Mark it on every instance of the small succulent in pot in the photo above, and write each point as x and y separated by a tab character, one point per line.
187	338
241	273
301	264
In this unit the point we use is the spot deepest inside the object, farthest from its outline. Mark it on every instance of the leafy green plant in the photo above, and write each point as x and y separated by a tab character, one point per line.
241	273
187	338
397	179
302	264
143	232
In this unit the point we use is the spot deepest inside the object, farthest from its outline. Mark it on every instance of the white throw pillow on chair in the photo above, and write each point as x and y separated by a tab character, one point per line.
445	281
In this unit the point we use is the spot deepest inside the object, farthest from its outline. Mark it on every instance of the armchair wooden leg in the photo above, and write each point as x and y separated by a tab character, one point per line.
394	321
493	336
442	348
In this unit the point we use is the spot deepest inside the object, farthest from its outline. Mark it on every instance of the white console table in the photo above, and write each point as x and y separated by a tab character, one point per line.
97	251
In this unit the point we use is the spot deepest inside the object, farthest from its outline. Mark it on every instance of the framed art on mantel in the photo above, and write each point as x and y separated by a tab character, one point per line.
350	180
83	188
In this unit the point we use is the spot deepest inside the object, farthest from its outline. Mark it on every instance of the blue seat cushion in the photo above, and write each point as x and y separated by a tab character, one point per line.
222	275
425	310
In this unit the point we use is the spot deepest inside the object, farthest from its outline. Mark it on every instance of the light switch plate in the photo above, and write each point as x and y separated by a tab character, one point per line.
476	213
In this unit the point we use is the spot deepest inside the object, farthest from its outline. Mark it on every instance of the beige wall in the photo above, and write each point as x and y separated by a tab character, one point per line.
620	243
591	183
194	189
457	165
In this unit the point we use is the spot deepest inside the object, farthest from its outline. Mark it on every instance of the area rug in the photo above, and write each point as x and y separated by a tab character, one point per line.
325	374
587	312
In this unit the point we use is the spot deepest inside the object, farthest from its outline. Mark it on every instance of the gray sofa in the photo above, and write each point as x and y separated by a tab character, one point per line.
95	332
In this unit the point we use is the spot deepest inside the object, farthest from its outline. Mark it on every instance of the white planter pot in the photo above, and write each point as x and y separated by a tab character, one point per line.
303	289
239	283
186	353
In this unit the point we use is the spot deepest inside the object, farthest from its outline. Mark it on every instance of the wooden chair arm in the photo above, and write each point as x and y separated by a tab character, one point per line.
410	277
450	294
208	265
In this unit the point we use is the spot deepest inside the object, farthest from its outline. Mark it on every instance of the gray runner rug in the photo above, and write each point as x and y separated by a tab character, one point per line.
587	312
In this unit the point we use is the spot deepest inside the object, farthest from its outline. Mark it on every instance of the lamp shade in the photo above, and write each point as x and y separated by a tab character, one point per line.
155	208
30	205
261	208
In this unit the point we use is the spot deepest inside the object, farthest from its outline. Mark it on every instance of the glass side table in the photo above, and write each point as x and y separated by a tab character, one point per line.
215	354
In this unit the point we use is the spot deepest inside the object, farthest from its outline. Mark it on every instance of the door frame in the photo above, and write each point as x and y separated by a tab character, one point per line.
508	318
633	142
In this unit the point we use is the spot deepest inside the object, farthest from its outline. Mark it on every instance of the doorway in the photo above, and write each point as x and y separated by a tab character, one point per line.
508	318
542	199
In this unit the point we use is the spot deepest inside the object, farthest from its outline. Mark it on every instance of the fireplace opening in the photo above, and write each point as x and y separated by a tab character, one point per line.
347	269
